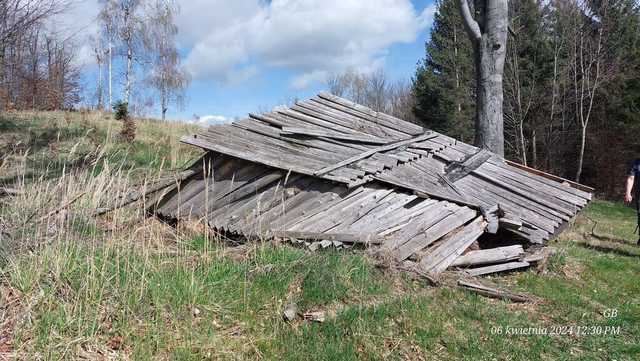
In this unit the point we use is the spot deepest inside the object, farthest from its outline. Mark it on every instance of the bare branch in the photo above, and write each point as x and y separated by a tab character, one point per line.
470	24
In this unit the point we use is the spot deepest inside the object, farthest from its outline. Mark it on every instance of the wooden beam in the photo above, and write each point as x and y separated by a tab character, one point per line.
493	292
497	268
341	237
333	135
488	256
134	196
452	246
573	184
373	151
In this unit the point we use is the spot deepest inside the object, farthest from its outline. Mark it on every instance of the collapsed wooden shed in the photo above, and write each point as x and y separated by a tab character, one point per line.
335	172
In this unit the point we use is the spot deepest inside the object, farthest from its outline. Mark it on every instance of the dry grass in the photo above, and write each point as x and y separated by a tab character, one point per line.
128	287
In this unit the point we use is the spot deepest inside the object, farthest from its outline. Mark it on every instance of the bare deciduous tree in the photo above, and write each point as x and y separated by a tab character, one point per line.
167	77
29	71
375	91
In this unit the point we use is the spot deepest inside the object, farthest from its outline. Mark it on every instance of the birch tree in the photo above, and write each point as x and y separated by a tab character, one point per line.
167	77
109	30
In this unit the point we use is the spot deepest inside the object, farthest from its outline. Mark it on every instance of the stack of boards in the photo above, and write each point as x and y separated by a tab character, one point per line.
329	172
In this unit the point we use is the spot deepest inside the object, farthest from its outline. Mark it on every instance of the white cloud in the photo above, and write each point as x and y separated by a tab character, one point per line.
427	15
212	119
231	40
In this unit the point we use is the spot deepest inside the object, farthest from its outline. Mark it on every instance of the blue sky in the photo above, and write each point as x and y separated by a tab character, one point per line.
251	55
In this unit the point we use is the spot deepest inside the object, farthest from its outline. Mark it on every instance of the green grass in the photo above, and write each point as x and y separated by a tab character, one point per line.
127	287
46	144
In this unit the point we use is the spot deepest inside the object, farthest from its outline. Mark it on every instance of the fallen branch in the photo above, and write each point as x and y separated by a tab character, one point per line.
492	292
62	207
601	237
132	197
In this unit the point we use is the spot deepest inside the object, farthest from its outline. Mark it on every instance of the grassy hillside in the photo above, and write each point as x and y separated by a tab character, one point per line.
127	287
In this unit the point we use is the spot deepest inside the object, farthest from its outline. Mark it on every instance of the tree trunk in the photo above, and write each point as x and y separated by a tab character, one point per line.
127	90
489	37
110	75
163	104
583	143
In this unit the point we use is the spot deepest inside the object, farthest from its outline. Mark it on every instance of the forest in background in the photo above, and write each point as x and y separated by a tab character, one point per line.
571	87
572	71
133	48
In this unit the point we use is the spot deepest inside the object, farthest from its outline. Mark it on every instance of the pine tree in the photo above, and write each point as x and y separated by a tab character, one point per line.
444	83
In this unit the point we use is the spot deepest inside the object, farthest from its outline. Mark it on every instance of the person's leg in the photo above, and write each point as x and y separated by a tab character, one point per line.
638	214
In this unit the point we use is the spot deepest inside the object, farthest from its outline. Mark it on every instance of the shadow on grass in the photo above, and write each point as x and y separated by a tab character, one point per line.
608	248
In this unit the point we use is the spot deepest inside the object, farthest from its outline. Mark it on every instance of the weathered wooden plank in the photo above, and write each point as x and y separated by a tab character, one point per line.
352	121
504	196
526	193
573	184
341	237
491	216
511	204
270	161
424	190
388	121
455	171
488	256
558	190
452	246
385	128
510	223
494	292
331	121
415	221
496	268
435	232
333	135
370	152
318	143
551	195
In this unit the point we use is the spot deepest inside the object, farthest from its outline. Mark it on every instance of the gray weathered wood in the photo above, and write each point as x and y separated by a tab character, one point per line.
496	268
488	256
334	135
435	232
370	152
452	246
341	237
493	292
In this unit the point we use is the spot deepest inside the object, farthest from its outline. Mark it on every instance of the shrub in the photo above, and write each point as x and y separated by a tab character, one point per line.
121	110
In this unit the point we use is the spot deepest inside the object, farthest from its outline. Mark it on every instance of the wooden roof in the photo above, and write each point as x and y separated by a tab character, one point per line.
332	170
336	140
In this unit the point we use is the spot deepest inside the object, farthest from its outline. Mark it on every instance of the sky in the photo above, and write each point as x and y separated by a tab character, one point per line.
251	55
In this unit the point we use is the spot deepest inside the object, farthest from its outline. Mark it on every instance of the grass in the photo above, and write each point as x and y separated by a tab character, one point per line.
128	287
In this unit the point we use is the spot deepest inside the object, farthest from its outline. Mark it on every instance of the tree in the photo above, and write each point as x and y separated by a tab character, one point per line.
528	73
22	27
488	34
109	30
130	32
99	53
444	80
374	90
167	77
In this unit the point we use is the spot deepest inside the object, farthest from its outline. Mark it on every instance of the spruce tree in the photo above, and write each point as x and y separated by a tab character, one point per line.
444	83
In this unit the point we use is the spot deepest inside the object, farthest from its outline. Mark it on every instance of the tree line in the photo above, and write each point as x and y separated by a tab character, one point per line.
134	49
571	86
141	34
37	69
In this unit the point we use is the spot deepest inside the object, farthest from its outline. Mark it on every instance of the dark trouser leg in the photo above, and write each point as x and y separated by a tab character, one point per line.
638	213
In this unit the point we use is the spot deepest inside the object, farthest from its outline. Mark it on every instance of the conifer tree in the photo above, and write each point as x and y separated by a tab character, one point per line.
444	83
